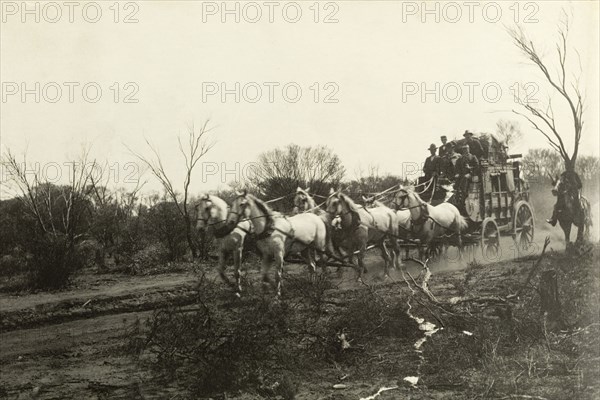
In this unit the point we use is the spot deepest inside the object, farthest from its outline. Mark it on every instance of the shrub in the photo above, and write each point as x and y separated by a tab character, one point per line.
53	260
166	225
212	351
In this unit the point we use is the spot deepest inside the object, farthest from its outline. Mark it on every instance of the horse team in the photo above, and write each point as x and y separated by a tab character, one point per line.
341	231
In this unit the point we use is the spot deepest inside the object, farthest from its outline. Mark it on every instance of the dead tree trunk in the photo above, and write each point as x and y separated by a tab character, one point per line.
549	301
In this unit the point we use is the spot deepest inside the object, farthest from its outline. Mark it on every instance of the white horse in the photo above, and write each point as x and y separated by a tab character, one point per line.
362	226
304	202
404	223
278	235
211	214
429	222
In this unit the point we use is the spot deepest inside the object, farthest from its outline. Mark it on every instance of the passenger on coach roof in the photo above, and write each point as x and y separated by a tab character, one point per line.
474	144
432	166
466	168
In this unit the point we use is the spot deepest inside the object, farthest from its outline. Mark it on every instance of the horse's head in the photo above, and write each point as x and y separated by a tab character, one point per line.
336	222
240	208
401	199
334	205
302	199
210	210
368	201
203	208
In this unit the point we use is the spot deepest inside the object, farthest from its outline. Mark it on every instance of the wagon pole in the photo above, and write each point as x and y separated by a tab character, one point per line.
278	198
342	262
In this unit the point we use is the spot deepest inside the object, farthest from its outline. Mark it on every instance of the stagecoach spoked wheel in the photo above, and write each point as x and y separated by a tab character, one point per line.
490	239
524	226
435	251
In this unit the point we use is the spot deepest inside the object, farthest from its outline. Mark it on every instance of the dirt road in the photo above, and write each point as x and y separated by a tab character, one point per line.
70	344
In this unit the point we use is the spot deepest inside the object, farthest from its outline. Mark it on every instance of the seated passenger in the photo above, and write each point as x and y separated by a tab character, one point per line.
474	144
431	168
466	167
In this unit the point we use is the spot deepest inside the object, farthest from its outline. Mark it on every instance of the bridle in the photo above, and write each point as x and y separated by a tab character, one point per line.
206	220
302	201
424	215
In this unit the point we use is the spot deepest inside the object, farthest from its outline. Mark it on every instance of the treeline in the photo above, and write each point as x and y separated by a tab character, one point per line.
540	166
49	231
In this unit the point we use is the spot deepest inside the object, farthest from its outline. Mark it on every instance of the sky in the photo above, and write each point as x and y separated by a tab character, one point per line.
375	81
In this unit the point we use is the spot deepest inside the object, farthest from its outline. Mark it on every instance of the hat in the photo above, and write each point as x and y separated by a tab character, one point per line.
432	147
443	137
467	133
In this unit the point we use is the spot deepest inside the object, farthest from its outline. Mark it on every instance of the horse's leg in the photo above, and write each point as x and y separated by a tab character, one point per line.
223	266
566	227
266	265
279	273
361	262
580	224
237	261
460	246
307	254
385	253
395	254
322	260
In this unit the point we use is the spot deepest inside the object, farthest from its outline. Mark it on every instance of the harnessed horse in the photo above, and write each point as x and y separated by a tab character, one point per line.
278	235
362	226
211	214
429	222
574	209
304	202
404	223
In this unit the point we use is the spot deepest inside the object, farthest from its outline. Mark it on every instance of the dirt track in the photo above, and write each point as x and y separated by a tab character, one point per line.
70	344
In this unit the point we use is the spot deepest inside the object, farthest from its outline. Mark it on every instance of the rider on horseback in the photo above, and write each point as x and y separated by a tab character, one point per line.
569	182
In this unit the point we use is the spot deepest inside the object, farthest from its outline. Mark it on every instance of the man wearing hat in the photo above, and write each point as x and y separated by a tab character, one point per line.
446	152
466	167
474	145
443	150
431	168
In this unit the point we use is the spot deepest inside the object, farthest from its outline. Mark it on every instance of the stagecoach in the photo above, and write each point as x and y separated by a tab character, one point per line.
497	204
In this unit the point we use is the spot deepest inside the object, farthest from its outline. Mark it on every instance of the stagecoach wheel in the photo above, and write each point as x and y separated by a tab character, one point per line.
524	226
490	239
435	251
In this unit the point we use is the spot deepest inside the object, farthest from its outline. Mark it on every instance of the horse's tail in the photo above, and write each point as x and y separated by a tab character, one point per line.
587	215
461	223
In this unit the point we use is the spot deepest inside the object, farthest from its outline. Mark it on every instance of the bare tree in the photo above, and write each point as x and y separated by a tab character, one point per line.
59	219
540	164
40	197
111	211
563	83
196	146
279	172
508	131
588	167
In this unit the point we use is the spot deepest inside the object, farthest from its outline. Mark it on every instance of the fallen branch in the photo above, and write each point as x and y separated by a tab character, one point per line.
533	269
423	286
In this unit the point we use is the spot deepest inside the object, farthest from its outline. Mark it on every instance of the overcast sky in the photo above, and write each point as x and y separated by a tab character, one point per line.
373	63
